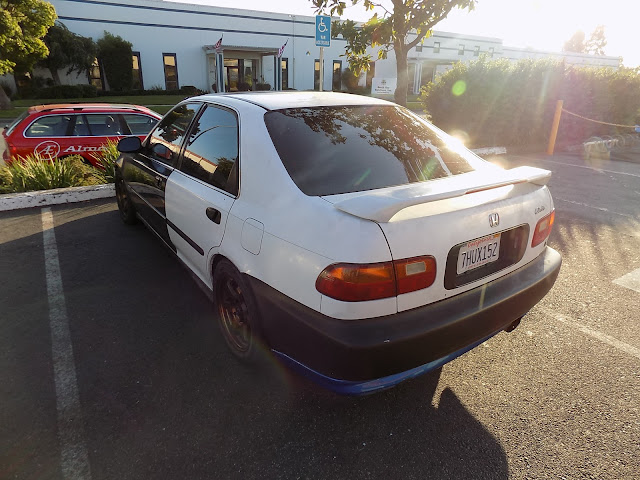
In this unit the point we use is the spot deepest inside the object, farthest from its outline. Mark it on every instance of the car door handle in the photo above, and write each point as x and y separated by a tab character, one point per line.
214	215
158	181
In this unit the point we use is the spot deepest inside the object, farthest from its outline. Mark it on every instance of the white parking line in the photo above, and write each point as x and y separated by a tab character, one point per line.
75	460
594	207
630	280
595	169
609	340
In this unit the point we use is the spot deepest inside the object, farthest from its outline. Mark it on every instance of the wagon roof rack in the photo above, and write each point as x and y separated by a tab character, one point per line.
78	107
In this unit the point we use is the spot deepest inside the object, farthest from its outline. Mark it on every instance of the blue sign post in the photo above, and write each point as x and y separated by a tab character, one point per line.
323	31
323	39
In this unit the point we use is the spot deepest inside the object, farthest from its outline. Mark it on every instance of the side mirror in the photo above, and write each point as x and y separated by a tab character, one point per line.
129	145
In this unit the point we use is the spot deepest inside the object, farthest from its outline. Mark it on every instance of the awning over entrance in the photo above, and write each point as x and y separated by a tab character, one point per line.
262	51
239	67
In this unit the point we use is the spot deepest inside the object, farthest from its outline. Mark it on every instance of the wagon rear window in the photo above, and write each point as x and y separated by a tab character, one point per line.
332	150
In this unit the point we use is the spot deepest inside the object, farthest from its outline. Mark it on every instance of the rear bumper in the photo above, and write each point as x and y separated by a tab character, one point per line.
357	356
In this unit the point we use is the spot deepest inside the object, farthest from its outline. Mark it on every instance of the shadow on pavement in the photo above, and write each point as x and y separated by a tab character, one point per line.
163	398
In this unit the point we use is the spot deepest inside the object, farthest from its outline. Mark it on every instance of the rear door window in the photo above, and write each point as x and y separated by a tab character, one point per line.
104	124
50	126
343	149
211	152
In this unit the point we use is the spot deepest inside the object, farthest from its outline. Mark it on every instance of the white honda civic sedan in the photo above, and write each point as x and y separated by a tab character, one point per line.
358	243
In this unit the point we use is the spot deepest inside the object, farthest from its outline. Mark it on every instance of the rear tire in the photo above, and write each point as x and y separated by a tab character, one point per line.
125	205
238	315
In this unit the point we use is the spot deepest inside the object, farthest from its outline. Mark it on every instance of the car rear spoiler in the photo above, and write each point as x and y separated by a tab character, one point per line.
381	205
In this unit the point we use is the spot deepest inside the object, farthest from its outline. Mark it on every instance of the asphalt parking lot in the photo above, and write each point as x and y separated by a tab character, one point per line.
112	365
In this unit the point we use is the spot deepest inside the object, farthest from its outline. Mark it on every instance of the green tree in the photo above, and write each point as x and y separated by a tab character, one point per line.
67	50
23	24
115	55
575	44
597	41
400	29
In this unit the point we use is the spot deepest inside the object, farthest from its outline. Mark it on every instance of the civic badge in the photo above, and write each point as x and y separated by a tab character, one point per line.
494	220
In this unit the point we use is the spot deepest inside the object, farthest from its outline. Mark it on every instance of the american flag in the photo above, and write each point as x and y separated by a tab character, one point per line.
281	51
218	44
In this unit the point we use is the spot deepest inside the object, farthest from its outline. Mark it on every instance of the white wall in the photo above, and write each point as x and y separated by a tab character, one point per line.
154	27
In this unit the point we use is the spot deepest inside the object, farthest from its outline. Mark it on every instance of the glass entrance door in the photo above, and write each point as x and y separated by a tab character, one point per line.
231	74
239	74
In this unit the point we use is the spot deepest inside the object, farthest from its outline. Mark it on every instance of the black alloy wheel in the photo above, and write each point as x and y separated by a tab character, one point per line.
125	206
236	310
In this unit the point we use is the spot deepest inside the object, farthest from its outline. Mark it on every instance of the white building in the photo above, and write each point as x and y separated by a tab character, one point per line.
173	46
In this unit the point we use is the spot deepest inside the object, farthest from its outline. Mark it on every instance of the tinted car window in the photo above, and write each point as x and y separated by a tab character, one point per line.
49	126
165	141
212	149
80	128
139	124
104	124
11	127
331	150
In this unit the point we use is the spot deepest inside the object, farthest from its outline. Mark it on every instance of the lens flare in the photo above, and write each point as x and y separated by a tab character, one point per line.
459	88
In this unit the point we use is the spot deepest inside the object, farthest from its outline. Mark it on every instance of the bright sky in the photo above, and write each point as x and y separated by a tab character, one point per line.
539	24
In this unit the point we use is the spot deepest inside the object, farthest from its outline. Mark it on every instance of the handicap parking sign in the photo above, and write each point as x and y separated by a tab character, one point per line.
323	31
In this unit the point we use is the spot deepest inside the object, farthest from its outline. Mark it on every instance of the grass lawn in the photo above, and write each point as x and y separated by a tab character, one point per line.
158	103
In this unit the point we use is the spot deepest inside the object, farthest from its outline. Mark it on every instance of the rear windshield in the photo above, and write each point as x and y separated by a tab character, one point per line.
331	150
15	123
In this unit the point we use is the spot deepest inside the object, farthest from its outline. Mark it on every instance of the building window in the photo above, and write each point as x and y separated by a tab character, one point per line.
461	49
337	75
95	75
170	71
418	48
137	72
491	52
476	51
436	47
284	62
316	75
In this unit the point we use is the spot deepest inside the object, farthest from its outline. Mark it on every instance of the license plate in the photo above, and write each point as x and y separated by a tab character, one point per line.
479	252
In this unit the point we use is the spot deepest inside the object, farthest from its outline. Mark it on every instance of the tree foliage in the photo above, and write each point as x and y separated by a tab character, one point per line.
115	54
400	28
512	103
67	50
23	24
595	45
575	44
597	41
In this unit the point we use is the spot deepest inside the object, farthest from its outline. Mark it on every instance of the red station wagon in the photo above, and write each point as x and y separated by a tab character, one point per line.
57	131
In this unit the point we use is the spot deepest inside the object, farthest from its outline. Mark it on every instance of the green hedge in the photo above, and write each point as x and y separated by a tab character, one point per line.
498	102
65	91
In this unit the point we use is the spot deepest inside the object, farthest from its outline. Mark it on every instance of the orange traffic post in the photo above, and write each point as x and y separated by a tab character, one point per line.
554	128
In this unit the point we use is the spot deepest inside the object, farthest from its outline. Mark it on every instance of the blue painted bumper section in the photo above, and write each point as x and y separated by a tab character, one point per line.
346	387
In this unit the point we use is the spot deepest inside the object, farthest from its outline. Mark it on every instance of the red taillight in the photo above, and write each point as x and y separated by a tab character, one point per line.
361	282
543	229
11	151
355	283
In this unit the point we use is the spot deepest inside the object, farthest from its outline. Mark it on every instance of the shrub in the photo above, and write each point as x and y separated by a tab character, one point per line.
106	160
115	55
350	81
263	86
497	102
37	173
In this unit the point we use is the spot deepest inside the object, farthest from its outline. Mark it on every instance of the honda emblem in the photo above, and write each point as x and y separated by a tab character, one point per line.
494	220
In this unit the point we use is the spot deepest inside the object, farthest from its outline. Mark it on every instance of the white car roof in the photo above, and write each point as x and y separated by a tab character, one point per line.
292	99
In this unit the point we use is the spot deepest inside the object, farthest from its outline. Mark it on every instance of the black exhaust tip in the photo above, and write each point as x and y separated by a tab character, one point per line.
513	326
